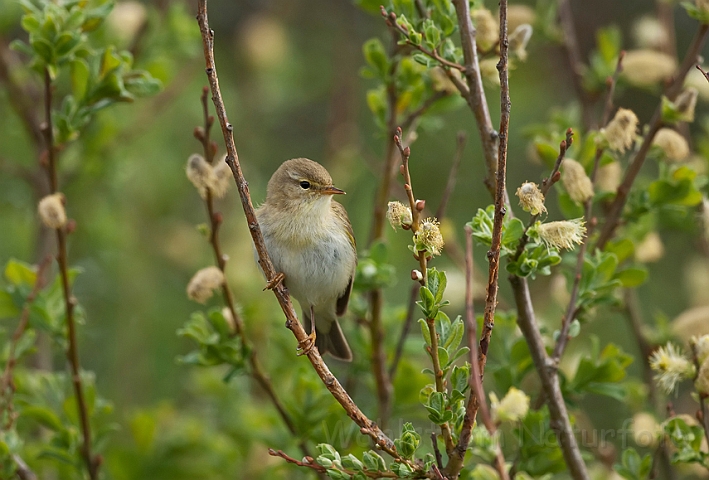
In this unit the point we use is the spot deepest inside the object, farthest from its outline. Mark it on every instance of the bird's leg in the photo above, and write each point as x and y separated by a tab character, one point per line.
306	345
273	283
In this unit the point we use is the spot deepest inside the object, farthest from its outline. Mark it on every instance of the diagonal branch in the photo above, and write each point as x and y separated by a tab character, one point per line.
215	219
367	427
616	208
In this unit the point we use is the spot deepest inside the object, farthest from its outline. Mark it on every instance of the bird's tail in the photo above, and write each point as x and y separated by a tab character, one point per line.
332	341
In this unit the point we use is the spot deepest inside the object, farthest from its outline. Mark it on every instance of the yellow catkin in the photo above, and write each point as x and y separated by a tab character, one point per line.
487	27
200	173
221	179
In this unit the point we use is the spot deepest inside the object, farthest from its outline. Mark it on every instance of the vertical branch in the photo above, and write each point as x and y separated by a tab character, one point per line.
92	462
475	95
367	427
422	257
559	416
215	219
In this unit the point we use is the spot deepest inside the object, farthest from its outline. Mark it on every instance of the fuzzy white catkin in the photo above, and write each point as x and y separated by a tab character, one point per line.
51	211
200	173
221	179
203	283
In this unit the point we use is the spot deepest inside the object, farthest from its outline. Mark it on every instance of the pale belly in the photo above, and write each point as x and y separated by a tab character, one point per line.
316	274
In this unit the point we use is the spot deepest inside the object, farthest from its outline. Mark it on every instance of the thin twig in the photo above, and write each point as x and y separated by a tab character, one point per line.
461	139
310	463
547	183
422	256
24	472
367	427
634	314
573	310
390	18
215	219
92	462
405	328
7	384
616	208
573	54
436	450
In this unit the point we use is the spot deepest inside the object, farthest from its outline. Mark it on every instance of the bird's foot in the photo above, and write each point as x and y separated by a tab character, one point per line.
306	346
273	283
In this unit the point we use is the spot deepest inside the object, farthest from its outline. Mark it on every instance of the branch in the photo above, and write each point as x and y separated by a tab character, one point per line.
422	256
546	369
474	94
547	183
7	384
367	427
215	219
92	462
616	208
309	462
573	310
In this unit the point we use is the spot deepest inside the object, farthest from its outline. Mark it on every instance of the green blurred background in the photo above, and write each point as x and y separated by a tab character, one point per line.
289	73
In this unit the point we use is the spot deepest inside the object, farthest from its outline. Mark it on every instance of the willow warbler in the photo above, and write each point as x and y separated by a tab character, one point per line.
310	240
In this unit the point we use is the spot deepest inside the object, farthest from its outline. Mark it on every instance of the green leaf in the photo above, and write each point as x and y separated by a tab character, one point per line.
376	57
425	331
427	303
20	273
632	277
373	461
79	77
8	309
44	416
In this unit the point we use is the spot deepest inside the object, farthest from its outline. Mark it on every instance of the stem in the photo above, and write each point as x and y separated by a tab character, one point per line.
422	258
7	384
559	416
257	372
406	327
616	208
92	463
474	94
367	427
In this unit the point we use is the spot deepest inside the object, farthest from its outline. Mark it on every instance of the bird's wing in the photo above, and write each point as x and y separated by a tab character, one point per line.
344	299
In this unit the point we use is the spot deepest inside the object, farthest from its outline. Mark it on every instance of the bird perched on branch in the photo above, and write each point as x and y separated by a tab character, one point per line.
310	240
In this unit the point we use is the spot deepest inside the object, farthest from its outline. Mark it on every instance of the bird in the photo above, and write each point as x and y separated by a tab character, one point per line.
309	239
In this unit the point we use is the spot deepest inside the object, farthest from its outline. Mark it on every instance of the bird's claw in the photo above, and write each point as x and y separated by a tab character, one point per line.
273	283
306	346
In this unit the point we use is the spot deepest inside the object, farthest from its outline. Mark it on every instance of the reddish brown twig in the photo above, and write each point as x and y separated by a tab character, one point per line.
367	427
93	463
7	384
215	219
573	310
422	257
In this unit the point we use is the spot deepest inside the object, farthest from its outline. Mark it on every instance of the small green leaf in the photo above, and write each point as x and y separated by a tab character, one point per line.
425	331
20	273
632	277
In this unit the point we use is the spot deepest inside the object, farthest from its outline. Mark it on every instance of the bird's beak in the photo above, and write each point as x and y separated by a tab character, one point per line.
332	191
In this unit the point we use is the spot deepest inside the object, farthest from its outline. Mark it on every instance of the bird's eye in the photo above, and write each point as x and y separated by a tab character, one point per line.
305	184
